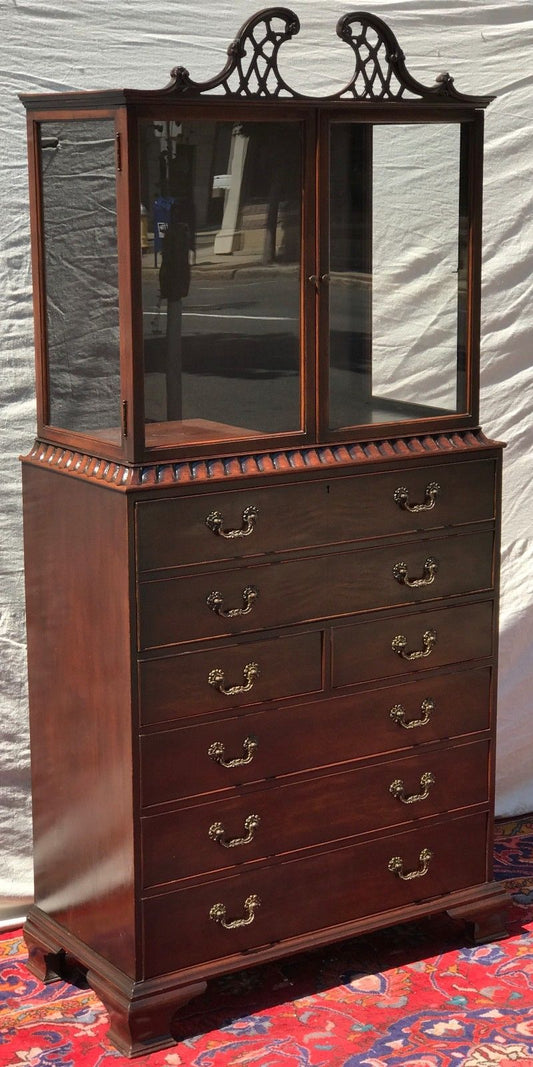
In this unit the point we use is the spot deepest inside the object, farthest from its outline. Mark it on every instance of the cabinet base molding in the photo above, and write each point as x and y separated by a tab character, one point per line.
484	917
141	1012
140	1023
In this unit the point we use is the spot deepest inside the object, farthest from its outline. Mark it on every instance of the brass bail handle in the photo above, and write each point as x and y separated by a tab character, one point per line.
429	571
401	497
215	601
395	866
215	520
218	913
216	678
217	751
397	789
217	833
397	714
399	645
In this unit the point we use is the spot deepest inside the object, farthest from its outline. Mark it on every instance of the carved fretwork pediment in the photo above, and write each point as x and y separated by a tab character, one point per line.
380	72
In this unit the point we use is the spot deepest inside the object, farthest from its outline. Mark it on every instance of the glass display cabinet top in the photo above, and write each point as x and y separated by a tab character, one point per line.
221	278
266	301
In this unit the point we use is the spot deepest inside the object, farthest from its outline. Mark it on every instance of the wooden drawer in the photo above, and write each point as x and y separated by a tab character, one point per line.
355	882
176	763
278	594
466	494
365	650
282	818
178	686
173	532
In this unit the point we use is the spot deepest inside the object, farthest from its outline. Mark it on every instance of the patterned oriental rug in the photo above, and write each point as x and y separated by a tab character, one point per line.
410	996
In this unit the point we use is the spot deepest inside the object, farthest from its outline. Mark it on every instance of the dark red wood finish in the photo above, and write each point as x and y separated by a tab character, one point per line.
299	515
176	686
320	587
296	815
79	618
129	730
175	763
294	737
356	877
364	651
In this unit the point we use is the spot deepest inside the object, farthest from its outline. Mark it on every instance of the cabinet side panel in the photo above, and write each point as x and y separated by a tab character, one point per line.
78	618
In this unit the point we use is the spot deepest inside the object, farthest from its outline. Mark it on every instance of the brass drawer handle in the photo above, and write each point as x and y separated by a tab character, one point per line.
396	866
401	497
218	913
217	749
214	522
397	789
215	601
397	714
429	640
431	566
250	672
217	833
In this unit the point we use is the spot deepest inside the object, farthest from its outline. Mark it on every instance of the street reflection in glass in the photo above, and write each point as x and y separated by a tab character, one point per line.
221	225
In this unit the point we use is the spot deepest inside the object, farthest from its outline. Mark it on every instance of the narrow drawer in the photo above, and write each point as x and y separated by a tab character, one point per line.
366	650
190	684
354	882
279	819
273	742
174	532
278	594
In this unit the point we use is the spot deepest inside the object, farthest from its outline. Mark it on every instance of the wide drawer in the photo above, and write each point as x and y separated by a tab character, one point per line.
278	594
300	896
282	818
191	683
174	532
272	742
409	643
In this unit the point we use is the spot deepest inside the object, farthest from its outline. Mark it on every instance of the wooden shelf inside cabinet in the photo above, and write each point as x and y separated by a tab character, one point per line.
189	432
261	521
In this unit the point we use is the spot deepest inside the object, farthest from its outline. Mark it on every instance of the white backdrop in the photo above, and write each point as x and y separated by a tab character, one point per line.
93	44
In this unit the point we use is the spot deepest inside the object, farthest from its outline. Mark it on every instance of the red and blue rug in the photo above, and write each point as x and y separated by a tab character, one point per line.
411	996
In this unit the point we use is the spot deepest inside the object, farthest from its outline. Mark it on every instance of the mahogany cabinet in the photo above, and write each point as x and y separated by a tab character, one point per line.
261	522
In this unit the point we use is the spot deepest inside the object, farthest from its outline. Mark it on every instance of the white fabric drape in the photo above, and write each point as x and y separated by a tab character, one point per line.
91	44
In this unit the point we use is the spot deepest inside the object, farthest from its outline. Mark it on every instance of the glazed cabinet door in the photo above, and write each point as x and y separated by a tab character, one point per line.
395	245
227	344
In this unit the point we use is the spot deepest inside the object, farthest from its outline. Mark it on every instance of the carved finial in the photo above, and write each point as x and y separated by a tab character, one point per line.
445	83
181	78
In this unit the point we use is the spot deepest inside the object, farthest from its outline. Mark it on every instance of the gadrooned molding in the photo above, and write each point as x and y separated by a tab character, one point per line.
124	477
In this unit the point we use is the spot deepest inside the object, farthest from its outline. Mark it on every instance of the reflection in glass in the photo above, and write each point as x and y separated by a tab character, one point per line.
221	279
398	257
81	275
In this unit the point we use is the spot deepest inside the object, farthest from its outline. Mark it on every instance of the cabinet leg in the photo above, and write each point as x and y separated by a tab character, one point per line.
485	918
45	957
140	1022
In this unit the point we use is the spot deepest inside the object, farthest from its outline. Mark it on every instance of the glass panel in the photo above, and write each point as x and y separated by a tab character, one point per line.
81	275
221	279
398	257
